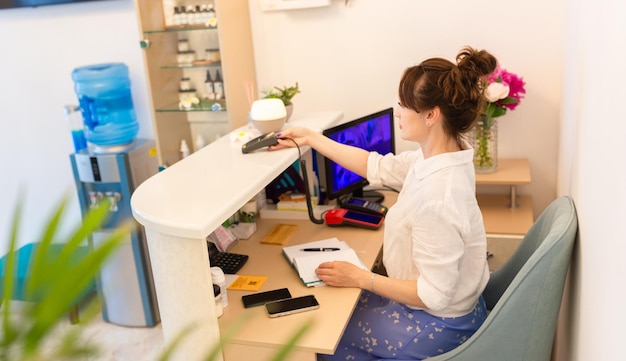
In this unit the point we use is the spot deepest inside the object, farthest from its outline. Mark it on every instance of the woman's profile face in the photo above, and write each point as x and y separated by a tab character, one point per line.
411	123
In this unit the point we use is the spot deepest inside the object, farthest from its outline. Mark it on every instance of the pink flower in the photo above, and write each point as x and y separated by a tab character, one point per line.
516	91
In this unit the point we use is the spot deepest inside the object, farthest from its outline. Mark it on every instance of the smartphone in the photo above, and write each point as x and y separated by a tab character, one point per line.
346	217
261	298
291	305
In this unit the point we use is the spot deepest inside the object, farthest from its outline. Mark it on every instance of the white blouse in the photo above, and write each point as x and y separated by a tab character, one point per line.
434	233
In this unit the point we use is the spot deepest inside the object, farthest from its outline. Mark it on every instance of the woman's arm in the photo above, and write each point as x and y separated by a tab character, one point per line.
345	274
352	158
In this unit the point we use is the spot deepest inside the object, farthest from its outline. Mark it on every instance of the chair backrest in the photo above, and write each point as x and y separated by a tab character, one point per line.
525	293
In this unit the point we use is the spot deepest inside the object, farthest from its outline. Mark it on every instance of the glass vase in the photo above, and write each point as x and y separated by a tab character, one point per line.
484	140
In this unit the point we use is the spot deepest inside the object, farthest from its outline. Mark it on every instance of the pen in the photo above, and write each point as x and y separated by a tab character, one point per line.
325	249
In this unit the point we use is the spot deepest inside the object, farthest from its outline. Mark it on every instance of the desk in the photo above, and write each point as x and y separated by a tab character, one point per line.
261	335
181	206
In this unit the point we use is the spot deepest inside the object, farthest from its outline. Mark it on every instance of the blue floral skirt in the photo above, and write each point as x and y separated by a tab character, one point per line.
382	329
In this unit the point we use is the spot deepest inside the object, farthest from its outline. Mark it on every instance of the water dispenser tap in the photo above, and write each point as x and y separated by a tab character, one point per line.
114	198
94	197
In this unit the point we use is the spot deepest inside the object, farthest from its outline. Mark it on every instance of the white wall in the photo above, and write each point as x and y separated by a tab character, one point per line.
351	58
41	47
348	58
592	171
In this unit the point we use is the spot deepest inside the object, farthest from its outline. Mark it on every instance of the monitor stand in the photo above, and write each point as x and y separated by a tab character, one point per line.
370	196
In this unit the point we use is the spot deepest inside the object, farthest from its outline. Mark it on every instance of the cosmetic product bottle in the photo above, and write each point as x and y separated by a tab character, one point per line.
218	86
184	149
219	308
176	17
209	88
218	277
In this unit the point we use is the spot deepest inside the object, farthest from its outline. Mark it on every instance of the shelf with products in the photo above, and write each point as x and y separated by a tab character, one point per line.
192	66
179	29
189	13
205	105
225	46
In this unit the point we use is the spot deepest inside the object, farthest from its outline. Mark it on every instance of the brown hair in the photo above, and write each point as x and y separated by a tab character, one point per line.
455	89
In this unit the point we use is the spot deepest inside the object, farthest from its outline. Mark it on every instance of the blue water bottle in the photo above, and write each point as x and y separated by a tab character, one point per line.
106	104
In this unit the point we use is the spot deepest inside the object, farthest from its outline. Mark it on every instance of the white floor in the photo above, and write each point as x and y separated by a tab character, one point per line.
124	343
116	343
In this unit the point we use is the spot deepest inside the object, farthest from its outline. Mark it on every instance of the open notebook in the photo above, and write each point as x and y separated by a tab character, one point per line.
305	262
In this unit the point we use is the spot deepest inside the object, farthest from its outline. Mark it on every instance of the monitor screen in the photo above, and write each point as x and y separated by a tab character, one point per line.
8	4
374	132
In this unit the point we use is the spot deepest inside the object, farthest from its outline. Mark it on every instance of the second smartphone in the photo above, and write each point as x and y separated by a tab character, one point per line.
261	298
291	305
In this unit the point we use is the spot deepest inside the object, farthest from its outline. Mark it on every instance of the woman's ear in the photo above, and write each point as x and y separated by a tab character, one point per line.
433	114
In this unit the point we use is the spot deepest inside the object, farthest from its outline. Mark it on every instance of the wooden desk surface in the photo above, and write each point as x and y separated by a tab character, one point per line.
336	304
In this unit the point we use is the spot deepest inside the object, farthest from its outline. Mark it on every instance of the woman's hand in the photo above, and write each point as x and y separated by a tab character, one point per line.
342	274
299	135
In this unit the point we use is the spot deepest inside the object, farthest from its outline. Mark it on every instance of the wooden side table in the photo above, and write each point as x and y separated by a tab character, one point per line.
507	217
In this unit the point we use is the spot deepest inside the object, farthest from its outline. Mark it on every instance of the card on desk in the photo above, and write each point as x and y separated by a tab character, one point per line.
305	258
280	234
247	283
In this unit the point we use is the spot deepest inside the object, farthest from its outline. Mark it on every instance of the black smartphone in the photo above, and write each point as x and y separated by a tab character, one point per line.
291	305
261	298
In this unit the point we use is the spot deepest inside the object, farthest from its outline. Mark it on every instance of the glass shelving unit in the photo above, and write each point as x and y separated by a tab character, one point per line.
205	105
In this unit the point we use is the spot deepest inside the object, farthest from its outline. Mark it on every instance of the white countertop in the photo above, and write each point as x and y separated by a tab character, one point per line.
193	197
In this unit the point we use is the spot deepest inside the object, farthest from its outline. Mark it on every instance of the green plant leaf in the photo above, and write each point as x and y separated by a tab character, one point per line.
58	283
498	112
69	283
285	93
508	100
38	263
9	332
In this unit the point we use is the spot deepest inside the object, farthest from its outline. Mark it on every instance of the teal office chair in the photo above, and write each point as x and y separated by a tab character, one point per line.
524	295
23	257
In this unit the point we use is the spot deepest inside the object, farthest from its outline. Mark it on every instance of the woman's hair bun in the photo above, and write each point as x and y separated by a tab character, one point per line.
474	63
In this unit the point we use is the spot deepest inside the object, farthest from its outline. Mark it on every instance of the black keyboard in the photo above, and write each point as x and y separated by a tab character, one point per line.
230	263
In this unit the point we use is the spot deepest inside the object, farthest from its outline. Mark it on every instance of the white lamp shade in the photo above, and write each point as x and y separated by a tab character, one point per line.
268	109
268	115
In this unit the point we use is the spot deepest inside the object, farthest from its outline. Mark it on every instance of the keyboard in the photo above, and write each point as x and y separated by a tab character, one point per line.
230	263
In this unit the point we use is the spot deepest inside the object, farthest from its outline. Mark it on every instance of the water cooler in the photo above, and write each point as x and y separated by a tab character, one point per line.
125	283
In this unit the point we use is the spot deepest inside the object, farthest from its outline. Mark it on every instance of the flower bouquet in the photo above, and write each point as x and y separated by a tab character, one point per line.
503	91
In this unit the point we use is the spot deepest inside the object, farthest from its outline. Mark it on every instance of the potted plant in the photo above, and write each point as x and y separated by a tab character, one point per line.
57	282
37	335
285	94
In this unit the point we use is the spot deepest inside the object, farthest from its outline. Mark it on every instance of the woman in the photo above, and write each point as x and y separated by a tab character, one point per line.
434	241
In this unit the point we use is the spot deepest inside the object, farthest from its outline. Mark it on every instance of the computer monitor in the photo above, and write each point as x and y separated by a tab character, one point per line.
374	132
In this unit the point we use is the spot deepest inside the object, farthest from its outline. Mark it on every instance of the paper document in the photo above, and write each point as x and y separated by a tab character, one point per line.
306	263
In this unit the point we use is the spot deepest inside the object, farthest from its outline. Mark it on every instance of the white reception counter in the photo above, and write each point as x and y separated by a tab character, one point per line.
181	206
